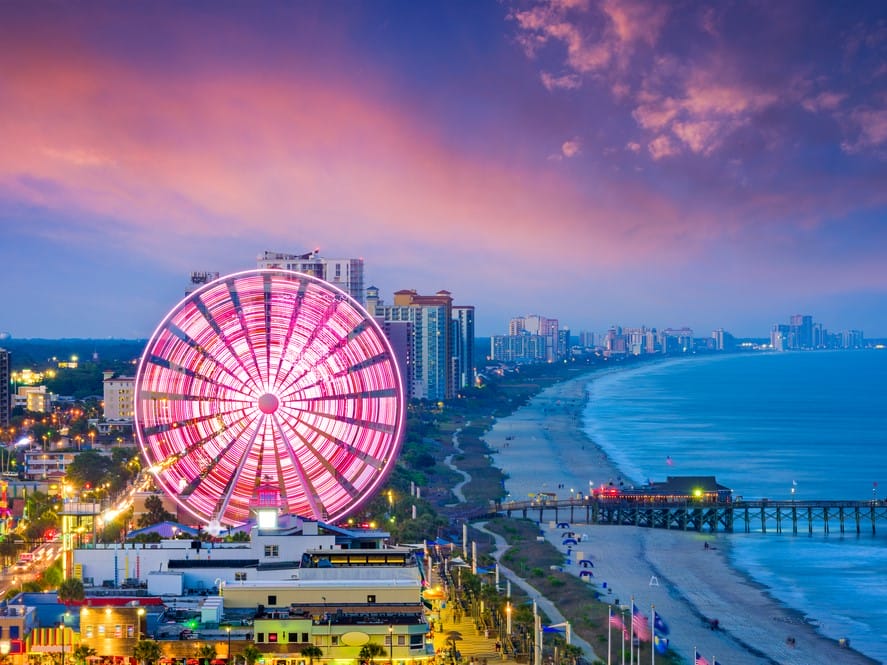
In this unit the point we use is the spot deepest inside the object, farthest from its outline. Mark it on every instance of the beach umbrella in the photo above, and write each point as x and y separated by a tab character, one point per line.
563	525
569	541
586	573
586	563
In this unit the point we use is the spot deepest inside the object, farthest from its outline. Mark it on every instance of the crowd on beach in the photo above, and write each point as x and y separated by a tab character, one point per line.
714	612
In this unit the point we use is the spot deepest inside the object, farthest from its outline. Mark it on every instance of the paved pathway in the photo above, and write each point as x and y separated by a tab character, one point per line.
466	478
541	601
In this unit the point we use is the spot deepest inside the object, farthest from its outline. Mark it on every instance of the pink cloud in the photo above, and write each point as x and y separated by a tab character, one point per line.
825	101
178	157
700	137
636	21
594	35
871	129
662	146
565	82
570	148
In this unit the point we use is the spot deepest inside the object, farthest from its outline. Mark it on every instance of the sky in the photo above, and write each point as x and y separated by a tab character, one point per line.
602	162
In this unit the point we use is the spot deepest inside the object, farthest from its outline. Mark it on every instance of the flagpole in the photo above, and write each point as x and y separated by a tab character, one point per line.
631	634
622	616
653	635
609	631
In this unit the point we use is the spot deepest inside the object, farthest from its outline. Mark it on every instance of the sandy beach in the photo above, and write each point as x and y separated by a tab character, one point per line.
542	447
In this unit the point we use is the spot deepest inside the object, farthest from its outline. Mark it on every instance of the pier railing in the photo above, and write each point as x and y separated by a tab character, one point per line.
763	515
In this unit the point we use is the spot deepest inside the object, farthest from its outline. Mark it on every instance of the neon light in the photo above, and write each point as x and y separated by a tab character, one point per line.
269	376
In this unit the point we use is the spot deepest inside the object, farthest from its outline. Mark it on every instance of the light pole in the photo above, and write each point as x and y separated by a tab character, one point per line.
228	630
390	644
64	630
140	613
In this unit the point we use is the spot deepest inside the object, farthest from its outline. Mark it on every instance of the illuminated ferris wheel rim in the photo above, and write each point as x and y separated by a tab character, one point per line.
333	436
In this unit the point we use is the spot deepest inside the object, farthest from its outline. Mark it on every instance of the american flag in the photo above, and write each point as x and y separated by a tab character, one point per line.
640	625
701	660
616	622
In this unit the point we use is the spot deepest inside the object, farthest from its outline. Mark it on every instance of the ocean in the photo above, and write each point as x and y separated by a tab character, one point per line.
806	425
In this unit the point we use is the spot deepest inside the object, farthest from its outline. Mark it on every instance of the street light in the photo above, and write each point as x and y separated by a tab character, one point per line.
140	613
64	630
228	630
391	644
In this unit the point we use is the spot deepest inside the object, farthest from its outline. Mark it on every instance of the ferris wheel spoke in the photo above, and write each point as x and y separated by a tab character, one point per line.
239	467
234	294
287	341
211	321
313	337
191	448
181	369
331	350
331	470
357	453
179	333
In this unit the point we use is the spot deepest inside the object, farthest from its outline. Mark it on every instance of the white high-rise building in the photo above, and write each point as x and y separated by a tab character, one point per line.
5	401
347	274
119	398
463	345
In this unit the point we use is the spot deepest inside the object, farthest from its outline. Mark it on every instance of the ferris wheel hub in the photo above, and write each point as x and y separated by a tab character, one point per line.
268	403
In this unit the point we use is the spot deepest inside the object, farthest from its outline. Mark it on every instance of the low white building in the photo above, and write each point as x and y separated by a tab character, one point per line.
270	554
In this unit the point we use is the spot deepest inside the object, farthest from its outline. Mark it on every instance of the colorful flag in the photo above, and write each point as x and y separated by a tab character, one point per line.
669	461
700	659
639	624
660	643
659	624
616	622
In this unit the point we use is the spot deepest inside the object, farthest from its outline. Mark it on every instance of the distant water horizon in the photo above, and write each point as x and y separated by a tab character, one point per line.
765	425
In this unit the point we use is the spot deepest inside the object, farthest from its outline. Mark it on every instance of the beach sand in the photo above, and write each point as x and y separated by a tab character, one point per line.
543	447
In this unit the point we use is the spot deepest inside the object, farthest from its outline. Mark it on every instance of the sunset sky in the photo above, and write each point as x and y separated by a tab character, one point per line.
596	161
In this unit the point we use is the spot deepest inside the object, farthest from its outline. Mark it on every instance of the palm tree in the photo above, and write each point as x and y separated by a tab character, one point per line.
369	651
311	652
250	654
81	653
206	653
147	651
71	589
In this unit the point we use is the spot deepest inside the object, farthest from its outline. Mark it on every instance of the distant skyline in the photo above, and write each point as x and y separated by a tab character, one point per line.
600	162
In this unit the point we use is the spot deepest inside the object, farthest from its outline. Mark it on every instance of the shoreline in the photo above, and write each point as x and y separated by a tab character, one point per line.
543	447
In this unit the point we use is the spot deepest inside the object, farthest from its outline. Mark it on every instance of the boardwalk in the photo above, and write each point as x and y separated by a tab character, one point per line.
741	516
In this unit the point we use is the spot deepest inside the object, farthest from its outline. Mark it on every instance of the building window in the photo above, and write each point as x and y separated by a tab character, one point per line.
260	637
13	632
334	640
272	550
371	599
272	600
239	577
293	637
401	640
304	637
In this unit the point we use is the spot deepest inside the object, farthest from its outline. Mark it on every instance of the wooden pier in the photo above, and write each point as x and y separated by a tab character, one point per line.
741	516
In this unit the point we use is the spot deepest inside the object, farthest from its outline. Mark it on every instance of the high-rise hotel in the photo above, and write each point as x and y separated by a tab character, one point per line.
347	274
5	376
437	340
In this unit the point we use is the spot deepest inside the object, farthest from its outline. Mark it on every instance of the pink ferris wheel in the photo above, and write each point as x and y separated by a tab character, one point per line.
269	377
